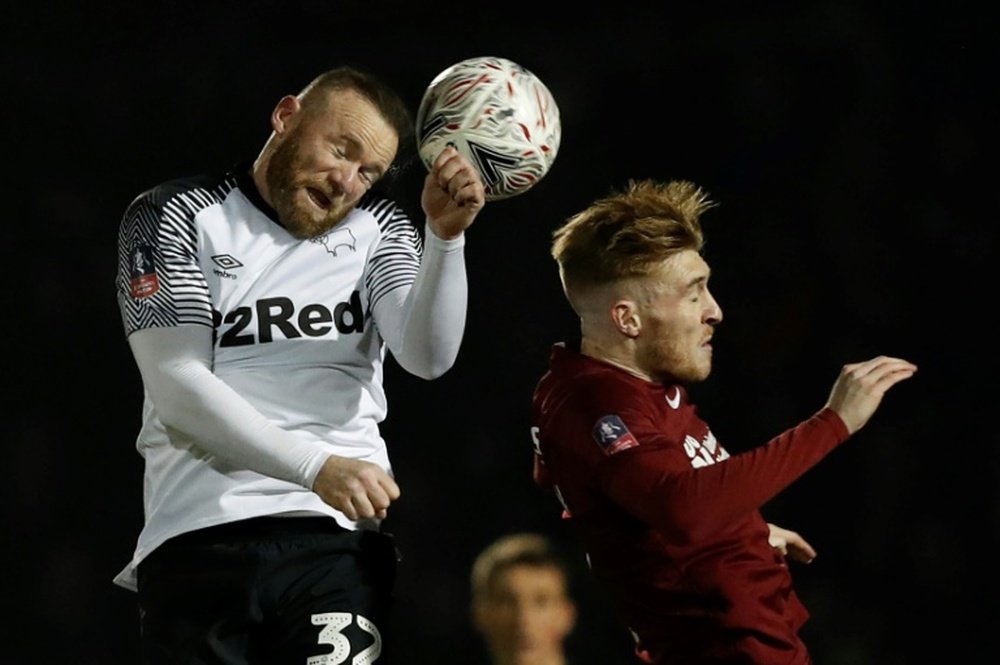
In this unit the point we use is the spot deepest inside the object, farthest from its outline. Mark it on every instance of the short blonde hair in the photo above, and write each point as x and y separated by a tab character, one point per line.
518	549
628	233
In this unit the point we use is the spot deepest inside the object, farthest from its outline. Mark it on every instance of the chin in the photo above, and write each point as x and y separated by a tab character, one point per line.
703	370
694	373
305	227
704	365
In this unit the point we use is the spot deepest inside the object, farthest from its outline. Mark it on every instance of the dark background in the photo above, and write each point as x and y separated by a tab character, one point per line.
851	147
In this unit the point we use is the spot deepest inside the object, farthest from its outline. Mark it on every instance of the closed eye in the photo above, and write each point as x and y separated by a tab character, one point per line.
370	174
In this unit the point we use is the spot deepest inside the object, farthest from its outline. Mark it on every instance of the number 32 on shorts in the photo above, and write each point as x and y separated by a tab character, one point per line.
333	623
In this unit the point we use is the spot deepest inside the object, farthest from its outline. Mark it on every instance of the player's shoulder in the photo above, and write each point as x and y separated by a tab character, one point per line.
601	387
384	207
589	388
587	374
191	191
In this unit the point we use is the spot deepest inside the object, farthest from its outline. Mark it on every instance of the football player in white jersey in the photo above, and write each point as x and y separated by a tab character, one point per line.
259	304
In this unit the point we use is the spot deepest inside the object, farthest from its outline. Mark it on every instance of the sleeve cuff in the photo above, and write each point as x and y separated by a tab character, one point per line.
834	422
432	241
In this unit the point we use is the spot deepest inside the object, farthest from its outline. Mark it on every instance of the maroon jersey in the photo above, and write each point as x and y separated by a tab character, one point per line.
670	521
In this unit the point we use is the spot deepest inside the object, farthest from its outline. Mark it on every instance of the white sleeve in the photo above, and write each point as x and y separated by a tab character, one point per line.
424	324
175	364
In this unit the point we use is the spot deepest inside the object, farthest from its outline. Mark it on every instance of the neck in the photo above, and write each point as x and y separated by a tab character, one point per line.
257	171
613	355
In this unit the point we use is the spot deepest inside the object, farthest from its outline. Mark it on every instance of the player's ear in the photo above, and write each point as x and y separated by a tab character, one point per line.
287	107
569	616
625	318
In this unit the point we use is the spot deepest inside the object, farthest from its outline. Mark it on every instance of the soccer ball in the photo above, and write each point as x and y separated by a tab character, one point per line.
499	116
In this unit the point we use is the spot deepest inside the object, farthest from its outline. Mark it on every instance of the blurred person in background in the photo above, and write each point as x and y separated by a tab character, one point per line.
521	604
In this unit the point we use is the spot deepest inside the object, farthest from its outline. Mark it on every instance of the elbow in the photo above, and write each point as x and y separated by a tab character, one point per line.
432	374
172	415
428	371
428	366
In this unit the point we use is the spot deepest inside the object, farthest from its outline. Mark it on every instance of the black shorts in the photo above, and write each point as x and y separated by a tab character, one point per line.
267	591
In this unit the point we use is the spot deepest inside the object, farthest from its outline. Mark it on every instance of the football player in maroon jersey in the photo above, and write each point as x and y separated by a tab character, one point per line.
670	520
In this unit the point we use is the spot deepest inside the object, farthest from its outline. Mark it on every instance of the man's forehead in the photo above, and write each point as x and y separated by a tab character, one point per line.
353	118
683	268
529	574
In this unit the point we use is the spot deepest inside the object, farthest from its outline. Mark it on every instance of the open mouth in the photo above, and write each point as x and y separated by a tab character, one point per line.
320	199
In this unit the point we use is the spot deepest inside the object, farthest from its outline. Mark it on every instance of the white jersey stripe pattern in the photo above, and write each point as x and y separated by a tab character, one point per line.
161	219
394	261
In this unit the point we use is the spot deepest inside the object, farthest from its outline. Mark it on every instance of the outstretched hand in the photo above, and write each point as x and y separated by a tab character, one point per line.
860	387
453	194
359	489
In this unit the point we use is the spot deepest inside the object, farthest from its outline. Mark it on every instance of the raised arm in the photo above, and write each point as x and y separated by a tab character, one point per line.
423	326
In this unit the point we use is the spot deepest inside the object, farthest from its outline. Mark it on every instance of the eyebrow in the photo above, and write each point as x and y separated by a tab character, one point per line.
697	281
355	145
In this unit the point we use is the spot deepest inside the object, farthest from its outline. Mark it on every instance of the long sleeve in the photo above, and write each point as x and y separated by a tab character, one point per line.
175	364
423	325
690	503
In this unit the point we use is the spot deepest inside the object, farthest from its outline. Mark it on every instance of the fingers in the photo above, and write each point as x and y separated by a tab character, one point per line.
778	543
360	490
371	493
882	372
460	179
453	194
799	549
877	375
790	543
861	386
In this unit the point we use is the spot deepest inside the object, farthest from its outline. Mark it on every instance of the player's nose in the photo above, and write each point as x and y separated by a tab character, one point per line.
713	312
344	178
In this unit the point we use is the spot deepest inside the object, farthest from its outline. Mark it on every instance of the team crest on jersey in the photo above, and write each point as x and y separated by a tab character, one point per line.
337	240
612	435
143	281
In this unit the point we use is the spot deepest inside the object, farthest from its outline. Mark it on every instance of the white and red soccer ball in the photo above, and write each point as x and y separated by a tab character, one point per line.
499	115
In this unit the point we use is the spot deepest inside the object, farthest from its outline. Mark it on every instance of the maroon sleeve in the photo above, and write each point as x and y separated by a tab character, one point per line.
687	503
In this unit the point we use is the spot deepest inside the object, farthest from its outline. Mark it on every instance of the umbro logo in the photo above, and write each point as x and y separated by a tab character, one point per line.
674	401
226	263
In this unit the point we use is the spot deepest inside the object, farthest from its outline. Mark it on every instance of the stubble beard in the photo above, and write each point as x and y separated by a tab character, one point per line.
285	193
674	364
